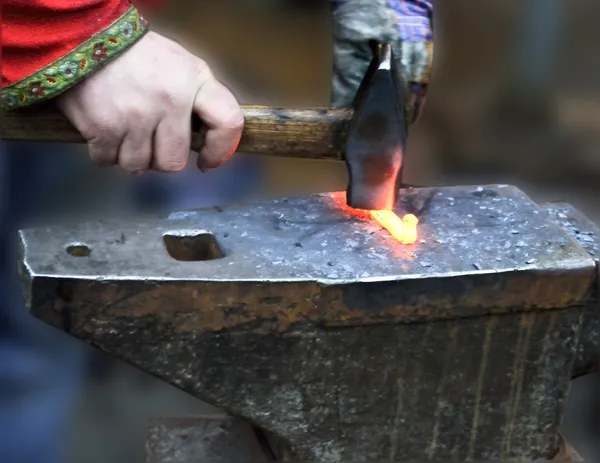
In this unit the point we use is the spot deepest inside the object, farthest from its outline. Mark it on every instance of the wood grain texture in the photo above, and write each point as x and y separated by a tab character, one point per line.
313	133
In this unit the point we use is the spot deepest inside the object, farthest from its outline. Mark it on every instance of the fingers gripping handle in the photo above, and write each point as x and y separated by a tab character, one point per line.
317	133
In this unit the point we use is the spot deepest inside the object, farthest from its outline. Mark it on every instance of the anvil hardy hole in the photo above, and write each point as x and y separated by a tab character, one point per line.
192	246
79	250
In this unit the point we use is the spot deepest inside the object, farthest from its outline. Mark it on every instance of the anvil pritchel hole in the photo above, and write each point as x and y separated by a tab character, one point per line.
192	246
79	250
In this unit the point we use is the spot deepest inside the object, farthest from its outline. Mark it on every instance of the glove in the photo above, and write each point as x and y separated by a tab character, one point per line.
405	24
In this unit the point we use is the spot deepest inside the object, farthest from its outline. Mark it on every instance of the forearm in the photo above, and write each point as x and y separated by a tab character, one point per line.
50	45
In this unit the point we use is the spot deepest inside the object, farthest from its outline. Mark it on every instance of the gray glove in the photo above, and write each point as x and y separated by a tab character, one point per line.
406	24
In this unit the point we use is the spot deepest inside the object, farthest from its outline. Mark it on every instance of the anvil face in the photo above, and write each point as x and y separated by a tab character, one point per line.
474	242
321	328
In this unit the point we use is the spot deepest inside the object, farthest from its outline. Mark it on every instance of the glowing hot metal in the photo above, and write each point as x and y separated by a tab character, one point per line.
409	225
404	230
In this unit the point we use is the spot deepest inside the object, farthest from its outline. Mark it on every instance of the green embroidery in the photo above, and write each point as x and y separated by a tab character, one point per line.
71	68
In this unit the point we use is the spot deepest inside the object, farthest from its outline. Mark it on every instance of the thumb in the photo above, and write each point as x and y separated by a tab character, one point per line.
220	112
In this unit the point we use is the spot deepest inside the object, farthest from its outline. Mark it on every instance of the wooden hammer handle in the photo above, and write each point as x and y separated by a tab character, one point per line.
317	133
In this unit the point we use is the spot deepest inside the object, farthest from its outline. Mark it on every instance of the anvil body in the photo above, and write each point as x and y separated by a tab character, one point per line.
318	327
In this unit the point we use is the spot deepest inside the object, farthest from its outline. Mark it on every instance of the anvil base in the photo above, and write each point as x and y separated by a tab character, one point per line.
316	326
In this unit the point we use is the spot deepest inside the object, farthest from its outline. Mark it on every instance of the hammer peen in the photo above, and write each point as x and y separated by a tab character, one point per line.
370	136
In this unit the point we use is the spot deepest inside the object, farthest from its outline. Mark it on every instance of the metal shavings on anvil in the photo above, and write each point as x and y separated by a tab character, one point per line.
461	229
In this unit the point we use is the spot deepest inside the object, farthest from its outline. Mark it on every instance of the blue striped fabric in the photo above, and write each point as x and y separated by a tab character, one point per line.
415	19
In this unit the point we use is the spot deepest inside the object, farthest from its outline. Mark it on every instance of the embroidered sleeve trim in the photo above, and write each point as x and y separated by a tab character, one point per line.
71	68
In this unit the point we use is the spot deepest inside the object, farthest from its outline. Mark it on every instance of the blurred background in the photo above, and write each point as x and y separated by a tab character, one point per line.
514	98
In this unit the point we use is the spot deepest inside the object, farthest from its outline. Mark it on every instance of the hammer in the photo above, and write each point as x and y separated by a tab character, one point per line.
370	136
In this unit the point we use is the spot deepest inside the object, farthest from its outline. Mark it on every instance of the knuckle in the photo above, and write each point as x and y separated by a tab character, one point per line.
237	121
95	131
138	117
200	64
87	130
103	147
135	163
108	136
173	154
102	153
201	69
170	99
102	158
180	144
171	163
103	130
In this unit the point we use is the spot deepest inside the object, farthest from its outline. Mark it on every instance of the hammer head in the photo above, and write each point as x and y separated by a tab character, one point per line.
377	136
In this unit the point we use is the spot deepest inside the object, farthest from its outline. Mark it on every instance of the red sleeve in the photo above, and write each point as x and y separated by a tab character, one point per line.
49	45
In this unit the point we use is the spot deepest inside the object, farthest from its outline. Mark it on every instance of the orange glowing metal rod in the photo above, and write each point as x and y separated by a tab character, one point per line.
410	222
403	230
391	222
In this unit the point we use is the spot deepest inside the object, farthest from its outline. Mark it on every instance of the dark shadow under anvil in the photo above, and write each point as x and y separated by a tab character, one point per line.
319	328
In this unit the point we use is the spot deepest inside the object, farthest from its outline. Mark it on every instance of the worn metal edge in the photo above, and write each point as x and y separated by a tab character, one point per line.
330	306
588	351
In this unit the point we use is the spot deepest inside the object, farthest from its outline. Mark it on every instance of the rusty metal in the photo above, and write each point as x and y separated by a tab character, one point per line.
224	439
567	454
322	330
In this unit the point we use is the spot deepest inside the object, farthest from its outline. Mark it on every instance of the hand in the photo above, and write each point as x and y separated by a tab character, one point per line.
136	111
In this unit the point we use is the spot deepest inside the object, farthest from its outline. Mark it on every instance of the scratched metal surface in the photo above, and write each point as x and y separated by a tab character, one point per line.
587	235
491	229
490	237
307	327
577	225
195	439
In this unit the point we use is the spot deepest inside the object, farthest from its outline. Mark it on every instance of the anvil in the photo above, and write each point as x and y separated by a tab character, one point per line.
322	330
